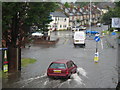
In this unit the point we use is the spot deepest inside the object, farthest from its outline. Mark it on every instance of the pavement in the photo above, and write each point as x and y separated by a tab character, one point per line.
113	43
112	40
54	36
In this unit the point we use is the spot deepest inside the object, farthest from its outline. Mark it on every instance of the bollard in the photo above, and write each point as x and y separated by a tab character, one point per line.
96	58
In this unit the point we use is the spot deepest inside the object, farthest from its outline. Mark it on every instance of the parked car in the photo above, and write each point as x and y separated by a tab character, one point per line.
61	68
73	29
99	24
77	28
83	27
40	34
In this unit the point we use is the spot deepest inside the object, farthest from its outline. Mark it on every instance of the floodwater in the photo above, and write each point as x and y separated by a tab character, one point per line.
89	74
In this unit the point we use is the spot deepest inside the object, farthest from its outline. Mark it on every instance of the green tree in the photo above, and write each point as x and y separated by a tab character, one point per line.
16	18
67	5
16	15
115	12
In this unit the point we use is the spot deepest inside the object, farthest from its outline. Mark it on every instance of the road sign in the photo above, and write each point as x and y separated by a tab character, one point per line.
97	38
113	33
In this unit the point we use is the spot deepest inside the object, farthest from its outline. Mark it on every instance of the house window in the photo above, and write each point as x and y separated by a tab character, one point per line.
70	18
56	19
60	26
65	20
64	25
73	18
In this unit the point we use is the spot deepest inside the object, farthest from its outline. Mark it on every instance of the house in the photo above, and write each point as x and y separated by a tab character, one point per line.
60	21
77	16
95	13
104	6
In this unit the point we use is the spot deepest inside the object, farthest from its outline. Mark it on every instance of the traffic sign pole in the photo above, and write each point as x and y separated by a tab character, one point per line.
96	57
96	47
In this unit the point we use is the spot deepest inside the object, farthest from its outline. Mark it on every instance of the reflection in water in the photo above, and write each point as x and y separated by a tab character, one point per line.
10	79
44	46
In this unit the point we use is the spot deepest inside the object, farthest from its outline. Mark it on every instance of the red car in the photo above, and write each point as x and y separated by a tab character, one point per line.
61	68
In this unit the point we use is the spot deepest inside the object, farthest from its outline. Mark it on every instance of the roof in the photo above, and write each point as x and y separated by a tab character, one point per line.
104	5
61	61
58	14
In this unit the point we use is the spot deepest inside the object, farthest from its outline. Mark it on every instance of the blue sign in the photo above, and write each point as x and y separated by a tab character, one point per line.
113	33
97	38
3	48
92	32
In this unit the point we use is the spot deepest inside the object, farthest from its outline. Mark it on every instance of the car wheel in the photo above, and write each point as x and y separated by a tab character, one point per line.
75	71
68	77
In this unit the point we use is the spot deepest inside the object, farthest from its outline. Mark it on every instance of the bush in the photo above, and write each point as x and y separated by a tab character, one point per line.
111	29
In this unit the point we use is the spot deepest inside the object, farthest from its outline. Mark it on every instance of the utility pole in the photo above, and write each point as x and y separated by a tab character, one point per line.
90	17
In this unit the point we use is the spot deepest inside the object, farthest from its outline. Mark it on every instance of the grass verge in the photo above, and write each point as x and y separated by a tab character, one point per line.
3	75
118	32
106	32
27	61
24	63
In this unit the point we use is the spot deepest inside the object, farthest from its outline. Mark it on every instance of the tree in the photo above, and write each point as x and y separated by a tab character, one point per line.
17	16
115	12
24	14
67	5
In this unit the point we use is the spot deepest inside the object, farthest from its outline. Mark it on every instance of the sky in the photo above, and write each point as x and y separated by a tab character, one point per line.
63	1
86	1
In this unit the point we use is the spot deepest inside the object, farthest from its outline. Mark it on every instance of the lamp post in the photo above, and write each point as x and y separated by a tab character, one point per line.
90	17
55	25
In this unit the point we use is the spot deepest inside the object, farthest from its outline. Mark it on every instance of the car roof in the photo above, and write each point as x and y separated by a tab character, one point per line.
61	61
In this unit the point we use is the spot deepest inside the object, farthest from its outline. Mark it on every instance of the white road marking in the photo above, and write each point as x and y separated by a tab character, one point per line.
101	43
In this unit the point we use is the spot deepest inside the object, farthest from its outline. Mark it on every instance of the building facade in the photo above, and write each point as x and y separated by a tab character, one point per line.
60	21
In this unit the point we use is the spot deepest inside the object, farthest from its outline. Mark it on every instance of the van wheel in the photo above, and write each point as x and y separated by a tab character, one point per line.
74	45
84	45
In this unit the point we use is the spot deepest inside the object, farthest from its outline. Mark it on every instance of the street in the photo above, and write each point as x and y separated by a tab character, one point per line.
89	74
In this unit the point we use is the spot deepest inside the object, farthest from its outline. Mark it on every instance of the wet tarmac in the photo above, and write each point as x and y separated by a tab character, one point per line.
89	74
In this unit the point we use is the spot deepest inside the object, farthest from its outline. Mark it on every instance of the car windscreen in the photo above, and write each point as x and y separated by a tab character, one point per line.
57	66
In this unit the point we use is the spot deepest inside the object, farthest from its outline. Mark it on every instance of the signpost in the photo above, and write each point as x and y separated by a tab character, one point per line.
96	58
4	60
5	63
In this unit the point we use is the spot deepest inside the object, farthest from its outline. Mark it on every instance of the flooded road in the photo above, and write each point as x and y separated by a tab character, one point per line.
76	80
89	74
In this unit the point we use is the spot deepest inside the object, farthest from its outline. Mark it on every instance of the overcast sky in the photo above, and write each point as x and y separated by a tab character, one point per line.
68	1
87	0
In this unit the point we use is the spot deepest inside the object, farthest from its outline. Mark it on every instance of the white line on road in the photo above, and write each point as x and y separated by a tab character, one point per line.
101	43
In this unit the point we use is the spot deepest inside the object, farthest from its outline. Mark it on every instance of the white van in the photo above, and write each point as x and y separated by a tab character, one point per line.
79	38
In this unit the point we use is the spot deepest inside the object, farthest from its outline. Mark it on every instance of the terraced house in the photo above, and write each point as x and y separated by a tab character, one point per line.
75	16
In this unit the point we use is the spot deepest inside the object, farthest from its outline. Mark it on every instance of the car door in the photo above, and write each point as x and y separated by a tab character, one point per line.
70	67
74	67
